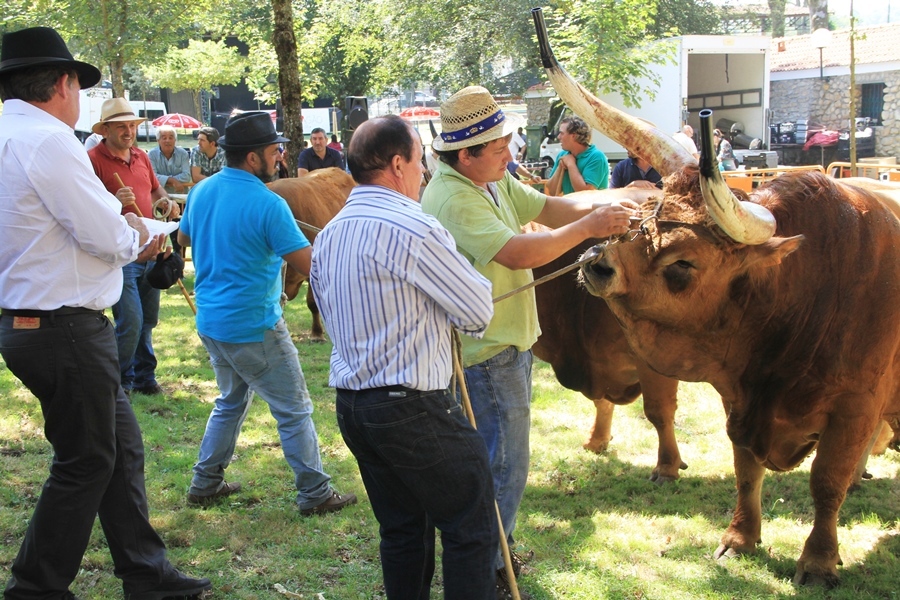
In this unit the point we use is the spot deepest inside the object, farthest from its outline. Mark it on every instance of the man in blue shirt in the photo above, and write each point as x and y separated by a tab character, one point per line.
580	166
171	164
237	256
634	171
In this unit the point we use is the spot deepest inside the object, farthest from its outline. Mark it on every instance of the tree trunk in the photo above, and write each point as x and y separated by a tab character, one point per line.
118	81
288	80
818	15
776	12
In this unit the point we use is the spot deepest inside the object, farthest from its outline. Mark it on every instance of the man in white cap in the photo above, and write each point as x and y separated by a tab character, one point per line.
64	245
116	162
478	201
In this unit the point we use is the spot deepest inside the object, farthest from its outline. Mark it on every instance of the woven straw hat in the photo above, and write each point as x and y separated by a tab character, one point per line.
471	117
115	110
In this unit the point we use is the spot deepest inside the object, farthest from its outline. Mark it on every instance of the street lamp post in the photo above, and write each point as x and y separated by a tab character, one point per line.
820	39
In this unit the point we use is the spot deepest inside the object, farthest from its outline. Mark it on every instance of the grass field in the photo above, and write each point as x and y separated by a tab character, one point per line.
598	528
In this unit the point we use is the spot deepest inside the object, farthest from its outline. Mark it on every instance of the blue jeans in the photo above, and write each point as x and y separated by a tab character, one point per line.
271	369
136	314
500	391
424	467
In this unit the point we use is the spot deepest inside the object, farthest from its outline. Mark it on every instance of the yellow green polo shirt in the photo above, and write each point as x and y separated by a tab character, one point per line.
481	226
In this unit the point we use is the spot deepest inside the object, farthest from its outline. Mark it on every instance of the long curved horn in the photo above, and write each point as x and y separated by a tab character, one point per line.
658	148
744	222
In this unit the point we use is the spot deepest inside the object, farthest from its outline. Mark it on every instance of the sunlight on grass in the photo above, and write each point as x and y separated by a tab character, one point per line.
599	529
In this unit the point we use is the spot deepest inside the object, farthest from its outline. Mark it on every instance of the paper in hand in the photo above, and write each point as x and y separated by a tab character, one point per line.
157	227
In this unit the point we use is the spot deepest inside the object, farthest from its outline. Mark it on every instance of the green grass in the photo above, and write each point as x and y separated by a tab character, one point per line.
599	529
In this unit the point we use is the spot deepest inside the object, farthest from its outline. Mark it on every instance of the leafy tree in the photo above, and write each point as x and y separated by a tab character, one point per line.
115	33
454	43
200	66
605	44
686	17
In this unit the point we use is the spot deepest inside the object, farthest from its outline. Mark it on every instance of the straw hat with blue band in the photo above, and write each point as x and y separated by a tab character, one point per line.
471	117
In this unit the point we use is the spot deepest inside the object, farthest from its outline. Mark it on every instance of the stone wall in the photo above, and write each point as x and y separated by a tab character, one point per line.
826	102
538	110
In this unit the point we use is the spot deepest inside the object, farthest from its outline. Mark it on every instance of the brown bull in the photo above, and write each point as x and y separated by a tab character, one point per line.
314	199
584	344
788	303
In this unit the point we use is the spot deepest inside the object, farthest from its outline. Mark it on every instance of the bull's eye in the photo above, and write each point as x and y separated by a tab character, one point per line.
678	275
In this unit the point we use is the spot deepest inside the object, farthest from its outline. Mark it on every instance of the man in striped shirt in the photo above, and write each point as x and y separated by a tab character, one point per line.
390	285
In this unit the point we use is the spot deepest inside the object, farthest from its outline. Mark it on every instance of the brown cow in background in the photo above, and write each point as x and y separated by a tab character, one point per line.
586	347
314	199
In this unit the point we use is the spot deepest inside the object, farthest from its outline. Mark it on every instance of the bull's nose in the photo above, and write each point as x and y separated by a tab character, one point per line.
600	269
599	277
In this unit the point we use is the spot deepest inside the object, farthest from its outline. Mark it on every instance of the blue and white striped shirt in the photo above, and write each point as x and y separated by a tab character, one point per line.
389	283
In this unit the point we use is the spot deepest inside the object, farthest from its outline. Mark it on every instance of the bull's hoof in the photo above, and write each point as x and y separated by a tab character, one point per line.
318	339
597	447
824	580
662	479
724	552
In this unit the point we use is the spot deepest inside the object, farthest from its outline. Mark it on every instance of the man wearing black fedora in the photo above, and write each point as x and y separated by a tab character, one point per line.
64	246
237	254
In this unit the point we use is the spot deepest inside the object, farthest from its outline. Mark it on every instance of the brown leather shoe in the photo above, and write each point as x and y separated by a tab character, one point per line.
226	490
334	503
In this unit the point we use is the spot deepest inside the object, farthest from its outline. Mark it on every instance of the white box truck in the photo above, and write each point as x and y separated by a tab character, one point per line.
728	74
90	103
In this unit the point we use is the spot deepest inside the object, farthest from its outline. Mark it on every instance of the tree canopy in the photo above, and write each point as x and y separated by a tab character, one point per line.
366	47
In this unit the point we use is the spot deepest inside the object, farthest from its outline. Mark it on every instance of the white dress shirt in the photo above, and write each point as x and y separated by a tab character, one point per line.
390	283
63	240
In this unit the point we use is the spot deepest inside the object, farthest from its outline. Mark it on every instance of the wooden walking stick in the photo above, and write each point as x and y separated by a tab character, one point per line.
470	414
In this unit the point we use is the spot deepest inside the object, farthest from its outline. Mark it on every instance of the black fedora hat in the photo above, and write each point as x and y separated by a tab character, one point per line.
42	47
250	130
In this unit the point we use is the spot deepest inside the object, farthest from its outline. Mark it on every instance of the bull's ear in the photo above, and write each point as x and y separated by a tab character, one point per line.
772	252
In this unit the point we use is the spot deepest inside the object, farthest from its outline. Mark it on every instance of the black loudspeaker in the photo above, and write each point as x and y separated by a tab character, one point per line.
357	111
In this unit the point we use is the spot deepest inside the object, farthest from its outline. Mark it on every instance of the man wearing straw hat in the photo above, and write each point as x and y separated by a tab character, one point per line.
126	172
237	253
390	285
64	246
479	202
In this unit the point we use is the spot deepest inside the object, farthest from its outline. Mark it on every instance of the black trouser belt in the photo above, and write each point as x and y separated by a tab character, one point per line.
46	314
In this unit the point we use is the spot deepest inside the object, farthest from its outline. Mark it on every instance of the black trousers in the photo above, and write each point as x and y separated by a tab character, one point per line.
70	364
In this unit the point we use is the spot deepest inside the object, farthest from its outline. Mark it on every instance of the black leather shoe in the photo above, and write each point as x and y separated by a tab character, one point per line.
150	390
178	585
334	503
226	490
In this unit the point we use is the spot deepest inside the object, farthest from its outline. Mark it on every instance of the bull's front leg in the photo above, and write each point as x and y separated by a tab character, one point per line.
601	431
842	446
743	534
660	402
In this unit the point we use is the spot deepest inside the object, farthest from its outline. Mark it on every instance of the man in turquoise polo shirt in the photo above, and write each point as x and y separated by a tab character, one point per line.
473	195
580	166
240	232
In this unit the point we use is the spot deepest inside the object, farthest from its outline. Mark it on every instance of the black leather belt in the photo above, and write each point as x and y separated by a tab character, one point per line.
46	314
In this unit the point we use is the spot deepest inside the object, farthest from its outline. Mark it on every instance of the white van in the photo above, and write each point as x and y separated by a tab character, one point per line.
149	109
